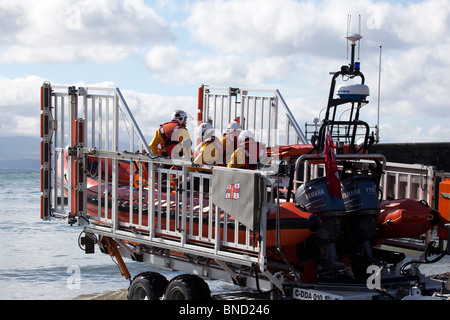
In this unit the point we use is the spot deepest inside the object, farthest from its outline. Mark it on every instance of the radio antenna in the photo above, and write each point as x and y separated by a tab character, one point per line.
359	32
353	38
349	22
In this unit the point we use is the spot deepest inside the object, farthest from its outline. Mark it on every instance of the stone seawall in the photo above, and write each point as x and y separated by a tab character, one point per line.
430	154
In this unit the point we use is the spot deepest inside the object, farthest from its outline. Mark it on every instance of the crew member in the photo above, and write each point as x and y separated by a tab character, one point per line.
210	150
230	140
249	154
172	139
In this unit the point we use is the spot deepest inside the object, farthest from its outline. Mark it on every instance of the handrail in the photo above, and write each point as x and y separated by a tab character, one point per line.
321	157
136	126
292	120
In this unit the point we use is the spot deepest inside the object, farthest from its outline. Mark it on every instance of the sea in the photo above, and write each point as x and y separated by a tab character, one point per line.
41	260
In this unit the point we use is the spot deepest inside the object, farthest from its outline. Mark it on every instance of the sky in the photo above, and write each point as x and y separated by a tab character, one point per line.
158	52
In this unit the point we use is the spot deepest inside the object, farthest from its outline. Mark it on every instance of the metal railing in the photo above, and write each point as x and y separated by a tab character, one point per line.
99	111
340	133
412	181
171	208
262	111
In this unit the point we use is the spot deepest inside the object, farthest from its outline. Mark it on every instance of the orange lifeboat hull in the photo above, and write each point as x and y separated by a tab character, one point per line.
444	208
405	218
295	225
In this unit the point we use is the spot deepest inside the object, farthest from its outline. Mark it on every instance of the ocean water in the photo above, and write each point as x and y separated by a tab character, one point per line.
42	261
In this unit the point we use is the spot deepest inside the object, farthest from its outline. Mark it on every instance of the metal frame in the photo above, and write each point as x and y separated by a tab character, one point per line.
101	109
263	111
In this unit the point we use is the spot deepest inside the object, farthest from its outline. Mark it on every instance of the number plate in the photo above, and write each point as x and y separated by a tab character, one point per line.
308	294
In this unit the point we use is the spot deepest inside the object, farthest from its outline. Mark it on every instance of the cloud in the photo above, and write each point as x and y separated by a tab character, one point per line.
244	42
257	42
275	28
269	27
288	44
174	66
162	58
152	110
19	106
292	45
20	97
65	31
256	30
422	23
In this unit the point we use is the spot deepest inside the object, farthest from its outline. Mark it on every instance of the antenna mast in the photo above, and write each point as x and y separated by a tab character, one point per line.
354	94
353	38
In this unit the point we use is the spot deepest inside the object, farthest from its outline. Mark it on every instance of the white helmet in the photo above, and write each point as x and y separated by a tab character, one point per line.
179	115
204	131
246	134
234	128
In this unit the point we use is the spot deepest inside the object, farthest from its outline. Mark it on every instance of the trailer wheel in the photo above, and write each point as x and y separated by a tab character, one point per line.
147	286
187	287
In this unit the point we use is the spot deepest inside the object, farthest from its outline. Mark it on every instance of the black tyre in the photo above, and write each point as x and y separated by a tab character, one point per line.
147	286
187	287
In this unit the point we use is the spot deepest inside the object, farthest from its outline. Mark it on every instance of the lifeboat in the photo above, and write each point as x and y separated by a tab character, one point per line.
295	224
406	218
123	169
444	209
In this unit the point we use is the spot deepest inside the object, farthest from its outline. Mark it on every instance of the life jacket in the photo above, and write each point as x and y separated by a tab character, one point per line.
167	130
197	150
252	156
207	148
230	144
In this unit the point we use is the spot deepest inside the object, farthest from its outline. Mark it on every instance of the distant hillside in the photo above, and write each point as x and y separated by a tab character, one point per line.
21	153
